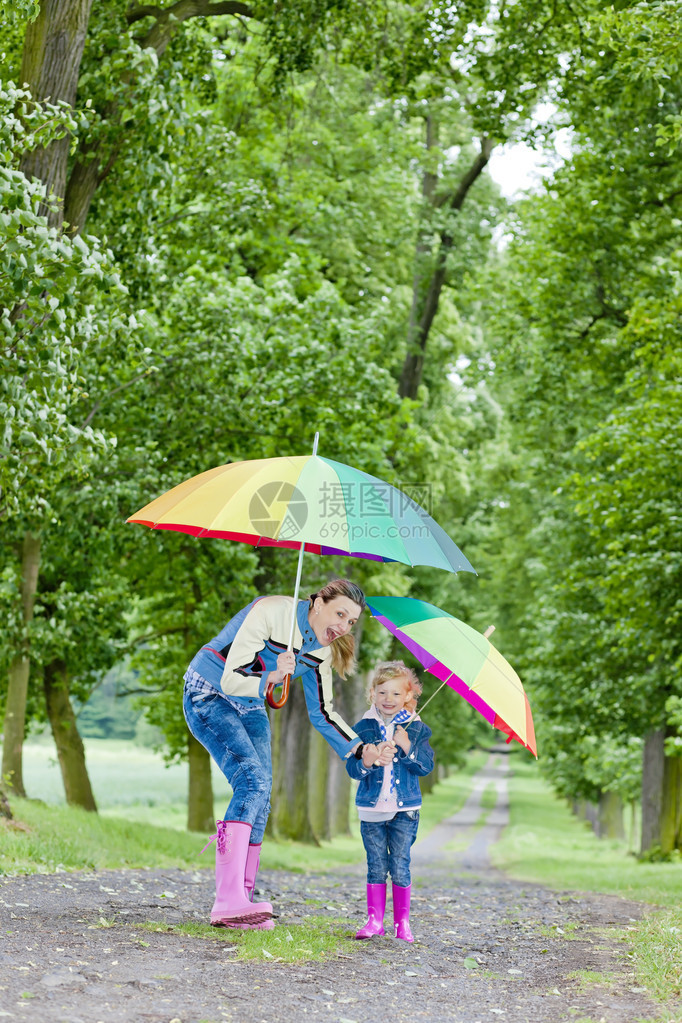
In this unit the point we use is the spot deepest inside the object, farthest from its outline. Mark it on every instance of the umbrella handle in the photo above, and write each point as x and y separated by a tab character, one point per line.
276	704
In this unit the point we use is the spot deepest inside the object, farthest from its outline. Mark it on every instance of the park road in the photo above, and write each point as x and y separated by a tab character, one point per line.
487	948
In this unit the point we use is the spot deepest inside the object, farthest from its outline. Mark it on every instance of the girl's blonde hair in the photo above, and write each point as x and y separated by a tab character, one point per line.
343	648
396	669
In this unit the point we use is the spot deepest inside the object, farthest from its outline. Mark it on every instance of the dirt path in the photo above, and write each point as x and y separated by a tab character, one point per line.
487	948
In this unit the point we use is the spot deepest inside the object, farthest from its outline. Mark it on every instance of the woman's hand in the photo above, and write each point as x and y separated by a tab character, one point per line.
401	737
370	754
286	662
378	755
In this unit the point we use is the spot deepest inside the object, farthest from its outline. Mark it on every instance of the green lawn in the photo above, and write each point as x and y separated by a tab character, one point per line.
126	779
142	818
143	815
545	842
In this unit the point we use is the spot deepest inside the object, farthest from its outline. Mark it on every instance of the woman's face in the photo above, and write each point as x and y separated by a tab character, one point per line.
333	619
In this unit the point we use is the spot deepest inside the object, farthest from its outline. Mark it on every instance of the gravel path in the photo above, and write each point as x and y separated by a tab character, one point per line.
487	948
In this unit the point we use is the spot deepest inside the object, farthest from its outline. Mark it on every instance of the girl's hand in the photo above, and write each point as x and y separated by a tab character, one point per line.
286	662
386	751
401	737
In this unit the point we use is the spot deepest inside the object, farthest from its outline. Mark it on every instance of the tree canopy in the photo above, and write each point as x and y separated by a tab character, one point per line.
226	226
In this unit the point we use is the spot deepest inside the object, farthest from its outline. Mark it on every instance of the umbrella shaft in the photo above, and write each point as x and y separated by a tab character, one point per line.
430	698
299	572
296	589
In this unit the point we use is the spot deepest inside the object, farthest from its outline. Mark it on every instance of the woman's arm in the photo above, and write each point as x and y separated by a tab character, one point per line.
319	698
242	660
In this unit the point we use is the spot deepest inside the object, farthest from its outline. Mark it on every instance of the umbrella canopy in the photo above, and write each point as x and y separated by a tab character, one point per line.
305	503
463	659
287	502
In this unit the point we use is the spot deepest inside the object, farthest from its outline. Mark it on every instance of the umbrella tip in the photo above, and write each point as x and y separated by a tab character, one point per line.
489	631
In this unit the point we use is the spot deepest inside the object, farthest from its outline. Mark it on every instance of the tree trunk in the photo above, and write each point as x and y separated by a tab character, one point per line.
427	782
17	685
672	805
427	289
339	798
318	774
92	165
632	830
53	49
70	750
661	797
587	811
291	750
200	813
423	269
611	816
5	809
652	790
350	702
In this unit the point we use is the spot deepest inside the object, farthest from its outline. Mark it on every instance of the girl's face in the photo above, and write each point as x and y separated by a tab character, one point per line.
391	696
333	619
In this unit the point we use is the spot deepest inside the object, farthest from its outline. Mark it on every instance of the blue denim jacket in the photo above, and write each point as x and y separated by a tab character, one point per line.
407	766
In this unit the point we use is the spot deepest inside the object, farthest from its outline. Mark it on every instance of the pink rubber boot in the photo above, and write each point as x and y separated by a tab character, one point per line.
250	872
401	912
376	907
231	904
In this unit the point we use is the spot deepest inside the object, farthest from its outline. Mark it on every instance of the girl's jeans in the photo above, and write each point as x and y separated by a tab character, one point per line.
237	736
388	844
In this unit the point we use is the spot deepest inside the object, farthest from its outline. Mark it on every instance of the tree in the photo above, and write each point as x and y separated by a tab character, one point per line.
102	128
489	67
45	330
582	365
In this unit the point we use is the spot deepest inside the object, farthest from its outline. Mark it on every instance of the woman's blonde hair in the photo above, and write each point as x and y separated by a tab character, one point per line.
396	669
343	648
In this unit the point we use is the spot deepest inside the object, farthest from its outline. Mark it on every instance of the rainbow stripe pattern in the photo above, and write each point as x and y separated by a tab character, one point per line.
329	507
464	659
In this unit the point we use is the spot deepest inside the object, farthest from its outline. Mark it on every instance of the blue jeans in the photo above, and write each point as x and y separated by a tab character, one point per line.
237	736
388	844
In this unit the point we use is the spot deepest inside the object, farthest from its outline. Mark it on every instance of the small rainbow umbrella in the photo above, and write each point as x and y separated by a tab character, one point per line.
463	659
305	503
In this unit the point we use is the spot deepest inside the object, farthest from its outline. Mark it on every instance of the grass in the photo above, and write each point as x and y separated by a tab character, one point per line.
313	941
657	947
149	833
489	797
128	781
447	797
588	978
548	844
450	794
45	839
568	933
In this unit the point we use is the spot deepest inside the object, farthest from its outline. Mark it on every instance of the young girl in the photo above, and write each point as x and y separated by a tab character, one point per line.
388	797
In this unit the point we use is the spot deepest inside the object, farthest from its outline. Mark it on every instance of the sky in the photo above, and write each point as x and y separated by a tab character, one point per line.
517	168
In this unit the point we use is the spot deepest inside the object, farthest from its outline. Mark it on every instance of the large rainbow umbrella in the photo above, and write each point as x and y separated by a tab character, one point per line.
463	659
305	503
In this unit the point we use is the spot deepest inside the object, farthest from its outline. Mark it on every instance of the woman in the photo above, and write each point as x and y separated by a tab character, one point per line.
224	707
